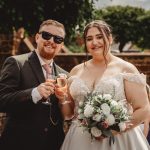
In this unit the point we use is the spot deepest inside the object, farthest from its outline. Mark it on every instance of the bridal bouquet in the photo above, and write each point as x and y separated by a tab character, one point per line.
101	115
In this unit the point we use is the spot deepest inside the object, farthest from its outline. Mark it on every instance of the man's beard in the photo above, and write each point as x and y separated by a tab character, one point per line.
46	55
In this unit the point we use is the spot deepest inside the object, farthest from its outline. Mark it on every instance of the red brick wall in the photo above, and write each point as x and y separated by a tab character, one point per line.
68	61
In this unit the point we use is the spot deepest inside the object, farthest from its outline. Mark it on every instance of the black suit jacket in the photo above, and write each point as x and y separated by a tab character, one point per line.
28	126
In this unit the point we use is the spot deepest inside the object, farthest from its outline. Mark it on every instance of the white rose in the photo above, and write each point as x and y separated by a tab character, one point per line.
88	111
99	96
114	103
122	126
81	103
110	119
97	117
96	132
107	96
105	109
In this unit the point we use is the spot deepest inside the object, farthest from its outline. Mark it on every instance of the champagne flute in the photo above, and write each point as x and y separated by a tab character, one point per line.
50	78
62	80
62	83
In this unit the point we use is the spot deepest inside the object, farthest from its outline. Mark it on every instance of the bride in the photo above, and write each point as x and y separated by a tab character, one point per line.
106	73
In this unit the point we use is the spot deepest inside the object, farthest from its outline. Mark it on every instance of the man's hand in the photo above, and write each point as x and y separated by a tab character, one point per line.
46	89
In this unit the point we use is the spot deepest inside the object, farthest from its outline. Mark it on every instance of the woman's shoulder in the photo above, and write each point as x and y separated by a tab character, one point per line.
125	66
129	72
76	69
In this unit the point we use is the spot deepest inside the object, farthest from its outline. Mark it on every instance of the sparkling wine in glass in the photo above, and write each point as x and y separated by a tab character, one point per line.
62	83
62	80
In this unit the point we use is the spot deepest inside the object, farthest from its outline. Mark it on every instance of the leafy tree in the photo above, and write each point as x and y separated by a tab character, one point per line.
30	13
124	22
144	25
16	13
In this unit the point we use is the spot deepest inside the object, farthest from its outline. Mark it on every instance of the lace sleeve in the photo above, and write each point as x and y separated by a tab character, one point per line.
137	78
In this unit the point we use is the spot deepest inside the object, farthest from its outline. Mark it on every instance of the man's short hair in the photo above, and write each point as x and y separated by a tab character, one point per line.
52	22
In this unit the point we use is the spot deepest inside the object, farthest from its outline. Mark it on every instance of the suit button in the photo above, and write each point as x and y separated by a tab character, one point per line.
45	129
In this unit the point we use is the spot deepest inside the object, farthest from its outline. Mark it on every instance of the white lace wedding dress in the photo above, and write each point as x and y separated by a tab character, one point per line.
76	139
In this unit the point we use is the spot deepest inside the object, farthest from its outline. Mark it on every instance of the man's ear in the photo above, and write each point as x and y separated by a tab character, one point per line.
36	37
62	47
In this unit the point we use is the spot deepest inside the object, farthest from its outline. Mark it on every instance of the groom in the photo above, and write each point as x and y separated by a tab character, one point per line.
33	124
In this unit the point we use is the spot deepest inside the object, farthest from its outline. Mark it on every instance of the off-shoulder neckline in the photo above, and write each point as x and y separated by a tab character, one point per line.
114	76
122	74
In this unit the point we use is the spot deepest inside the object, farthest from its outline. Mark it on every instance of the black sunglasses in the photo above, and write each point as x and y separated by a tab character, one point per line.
48	36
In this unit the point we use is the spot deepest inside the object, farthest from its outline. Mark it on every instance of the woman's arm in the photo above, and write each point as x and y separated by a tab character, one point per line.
136	95
65	101
147	121
67	105
146	127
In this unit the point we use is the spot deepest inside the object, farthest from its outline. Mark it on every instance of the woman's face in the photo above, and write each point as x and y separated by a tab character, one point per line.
95	41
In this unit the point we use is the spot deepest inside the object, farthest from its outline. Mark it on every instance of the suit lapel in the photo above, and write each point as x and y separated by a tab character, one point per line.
57	70
36	67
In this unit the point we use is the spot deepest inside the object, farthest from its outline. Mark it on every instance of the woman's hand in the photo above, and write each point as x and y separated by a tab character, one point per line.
61	93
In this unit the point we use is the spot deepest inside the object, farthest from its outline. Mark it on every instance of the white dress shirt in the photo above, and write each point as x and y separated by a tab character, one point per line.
35	93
